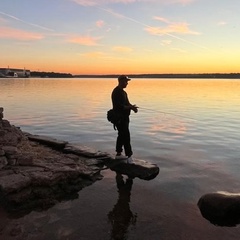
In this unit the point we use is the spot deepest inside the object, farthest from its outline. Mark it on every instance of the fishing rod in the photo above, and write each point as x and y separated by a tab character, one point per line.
173	114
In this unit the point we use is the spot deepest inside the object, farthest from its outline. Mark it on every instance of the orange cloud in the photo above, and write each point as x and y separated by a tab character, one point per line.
85	40
93	54
11	33
182	28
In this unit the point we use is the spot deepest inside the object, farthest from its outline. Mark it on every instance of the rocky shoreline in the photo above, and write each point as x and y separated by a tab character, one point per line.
38	171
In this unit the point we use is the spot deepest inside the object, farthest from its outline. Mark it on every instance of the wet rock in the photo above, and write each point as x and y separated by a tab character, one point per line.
221	208
139	168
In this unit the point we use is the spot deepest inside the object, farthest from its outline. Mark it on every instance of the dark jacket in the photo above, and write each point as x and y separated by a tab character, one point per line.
119	100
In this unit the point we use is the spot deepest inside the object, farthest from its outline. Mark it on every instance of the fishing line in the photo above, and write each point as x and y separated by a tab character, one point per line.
158	111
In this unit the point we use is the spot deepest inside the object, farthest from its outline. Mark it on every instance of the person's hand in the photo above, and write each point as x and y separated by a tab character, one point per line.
135	108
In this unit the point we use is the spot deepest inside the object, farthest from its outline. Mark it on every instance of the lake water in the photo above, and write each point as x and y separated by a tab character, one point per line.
190	128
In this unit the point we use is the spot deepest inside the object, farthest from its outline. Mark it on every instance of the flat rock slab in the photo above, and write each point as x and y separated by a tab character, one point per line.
49	141
84	151
139	168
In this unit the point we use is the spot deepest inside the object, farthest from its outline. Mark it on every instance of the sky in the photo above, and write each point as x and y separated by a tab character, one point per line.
120	36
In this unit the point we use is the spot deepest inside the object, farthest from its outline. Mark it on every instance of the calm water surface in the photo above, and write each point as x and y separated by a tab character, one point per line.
188	127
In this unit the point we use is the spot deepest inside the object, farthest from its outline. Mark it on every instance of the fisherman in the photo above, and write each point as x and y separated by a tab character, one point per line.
123	107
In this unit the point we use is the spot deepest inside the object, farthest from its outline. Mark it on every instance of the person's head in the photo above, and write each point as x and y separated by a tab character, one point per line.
123	81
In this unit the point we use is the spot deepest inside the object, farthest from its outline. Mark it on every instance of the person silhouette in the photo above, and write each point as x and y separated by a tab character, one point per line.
121	216
123	108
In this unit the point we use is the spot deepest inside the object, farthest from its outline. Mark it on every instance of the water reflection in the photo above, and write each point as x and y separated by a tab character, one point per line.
121	217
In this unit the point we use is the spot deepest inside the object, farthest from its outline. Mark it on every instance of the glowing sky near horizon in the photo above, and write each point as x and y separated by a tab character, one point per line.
120	36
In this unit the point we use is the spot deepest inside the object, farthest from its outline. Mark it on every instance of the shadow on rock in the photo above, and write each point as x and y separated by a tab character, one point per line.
221	208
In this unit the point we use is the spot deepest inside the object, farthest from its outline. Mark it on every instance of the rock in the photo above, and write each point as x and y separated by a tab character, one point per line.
221	208
83	151
6	124
25	159
17	230
1	113
9	135
13	182
139	168
2	153
3	162
10	150
52	142
12	161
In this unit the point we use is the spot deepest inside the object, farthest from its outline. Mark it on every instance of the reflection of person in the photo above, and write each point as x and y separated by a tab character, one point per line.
121	216
123	107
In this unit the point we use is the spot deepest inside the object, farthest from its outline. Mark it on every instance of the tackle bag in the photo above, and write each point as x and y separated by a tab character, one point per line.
113	116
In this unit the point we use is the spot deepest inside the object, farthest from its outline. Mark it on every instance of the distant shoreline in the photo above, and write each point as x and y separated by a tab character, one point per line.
36	74
194	75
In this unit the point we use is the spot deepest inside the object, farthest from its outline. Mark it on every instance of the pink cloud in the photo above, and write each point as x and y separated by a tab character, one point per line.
100	23
162	19
85	40
11	33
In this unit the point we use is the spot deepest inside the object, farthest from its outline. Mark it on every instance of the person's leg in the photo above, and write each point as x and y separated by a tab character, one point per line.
119	142
127	140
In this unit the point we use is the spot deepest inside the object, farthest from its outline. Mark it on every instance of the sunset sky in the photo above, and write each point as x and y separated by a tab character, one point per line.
121	36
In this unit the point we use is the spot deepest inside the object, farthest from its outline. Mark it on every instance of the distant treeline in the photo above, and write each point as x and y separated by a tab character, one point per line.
51	75
194	75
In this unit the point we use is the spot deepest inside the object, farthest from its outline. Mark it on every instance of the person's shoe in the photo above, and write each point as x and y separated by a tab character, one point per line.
121	157
130	160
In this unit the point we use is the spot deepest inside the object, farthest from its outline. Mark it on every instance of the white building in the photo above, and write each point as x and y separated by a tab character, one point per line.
13	72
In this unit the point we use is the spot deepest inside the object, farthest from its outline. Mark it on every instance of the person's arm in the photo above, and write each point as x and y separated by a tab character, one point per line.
131	107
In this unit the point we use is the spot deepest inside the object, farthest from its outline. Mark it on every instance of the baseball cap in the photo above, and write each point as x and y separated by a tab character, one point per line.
123	78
